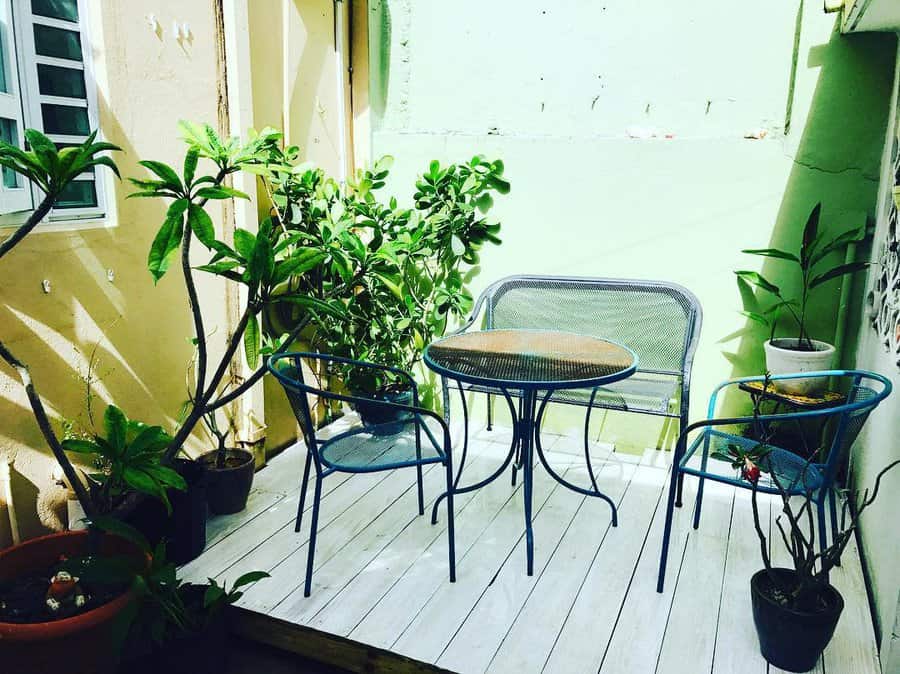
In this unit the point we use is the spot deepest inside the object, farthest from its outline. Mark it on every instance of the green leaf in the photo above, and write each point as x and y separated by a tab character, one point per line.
251	342
149	439
301	262
244	243
248	578
144	483
81	446
116	527
772	252
165	172
457	246
835	272
115	424
838	243
220	192
190	165
167	240
756	279
201	225
810	234
213	595
753	316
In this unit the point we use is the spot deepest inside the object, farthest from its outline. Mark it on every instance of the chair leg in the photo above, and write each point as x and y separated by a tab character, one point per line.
419	487
490	412
678	501
451	534
311	554
670	511
698	503
832	503
303	486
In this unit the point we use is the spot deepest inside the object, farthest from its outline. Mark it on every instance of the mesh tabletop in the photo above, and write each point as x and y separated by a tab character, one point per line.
543	359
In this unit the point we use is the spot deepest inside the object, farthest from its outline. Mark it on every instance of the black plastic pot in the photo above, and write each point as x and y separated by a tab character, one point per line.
185	528
378	415
788	638
228	487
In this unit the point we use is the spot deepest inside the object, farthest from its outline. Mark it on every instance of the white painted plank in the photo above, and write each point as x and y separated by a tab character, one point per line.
475	642
398	607
284	554
690	636
583	637
345	611
852	649
431	630
332	573
737	647
645	611
522	608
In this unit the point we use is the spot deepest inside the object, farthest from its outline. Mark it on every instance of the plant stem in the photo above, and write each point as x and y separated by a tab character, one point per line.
43	421
36	216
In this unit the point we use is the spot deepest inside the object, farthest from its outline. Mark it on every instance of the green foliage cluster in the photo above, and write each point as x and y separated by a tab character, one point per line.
808	261
399	275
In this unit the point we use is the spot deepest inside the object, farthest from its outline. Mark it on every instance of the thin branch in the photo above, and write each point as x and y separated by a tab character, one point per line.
232	347
33	220
43	422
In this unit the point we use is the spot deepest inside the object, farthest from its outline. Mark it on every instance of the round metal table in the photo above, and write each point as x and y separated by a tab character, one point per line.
527	362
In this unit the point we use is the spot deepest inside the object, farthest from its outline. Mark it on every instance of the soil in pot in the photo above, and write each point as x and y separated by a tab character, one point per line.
35	640
379	415
185	528
228	482
790	637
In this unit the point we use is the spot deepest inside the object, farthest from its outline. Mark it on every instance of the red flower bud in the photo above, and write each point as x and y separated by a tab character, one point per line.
750	471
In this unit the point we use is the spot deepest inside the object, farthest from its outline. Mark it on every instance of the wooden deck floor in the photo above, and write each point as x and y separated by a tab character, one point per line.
381	573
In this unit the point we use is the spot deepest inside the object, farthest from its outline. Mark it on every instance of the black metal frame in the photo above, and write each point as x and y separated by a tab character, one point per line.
287	368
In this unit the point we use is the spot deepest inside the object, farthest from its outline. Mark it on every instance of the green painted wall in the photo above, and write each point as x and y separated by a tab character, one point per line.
559	89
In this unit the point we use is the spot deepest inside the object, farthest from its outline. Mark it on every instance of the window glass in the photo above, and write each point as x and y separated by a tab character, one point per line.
57	42
65	119
78	194
67	10
10	134
56	81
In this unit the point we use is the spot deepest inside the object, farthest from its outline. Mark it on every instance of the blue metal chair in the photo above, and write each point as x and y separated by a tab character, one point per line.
659	321
364	449
797	470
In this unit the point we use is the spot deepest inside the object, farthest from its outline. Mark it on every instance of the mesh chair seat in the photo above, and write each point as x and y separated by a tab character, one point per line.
380	447
794	473
642	392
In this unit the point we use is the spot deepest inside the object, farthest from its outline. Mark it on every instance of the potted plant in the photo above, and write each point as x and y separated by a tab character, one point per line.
405	272
45	614
262	262
229	470
800	352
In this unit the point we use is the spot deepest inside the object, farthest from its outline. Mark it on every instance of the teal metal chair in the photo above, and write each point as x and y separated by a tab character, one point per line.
797	470
414	437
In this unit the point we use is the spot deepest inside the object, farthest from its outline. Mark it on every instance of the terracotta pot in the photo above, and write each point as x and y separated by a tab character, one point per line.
88	643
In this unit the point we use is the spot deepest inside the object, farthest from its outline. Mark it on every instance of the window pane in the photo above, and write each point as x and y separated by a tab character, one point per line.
56	81
65	119
5	44
9	133
57	42
78	194
67	10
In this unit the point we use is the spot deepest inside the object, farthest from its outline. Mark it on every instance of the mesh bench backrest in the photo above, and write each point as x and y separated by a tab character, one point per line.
659	321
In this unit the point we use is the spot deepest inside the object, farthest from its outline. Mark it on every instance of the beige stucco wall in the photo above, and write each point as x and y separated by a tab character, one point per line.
146	83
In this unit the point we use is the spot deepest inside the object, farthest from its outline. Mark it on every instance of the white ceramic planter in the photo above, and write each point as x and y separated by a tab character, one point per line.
782	359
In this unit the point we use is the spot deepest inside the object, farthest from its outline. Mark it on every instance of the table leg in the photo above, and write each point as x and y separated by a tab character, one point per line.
526	438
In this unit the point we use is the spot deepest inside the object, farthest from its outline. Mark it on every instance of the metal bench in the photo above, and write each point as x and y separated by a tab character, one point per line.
659	321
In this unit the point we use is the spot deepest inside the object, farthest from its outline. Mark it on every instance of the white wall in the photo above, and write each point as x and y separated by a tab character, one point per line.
878	445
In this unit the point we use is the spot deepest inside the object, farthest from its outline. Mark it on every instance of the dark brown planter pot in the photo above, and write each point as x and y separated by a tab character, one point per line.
227	488
88	643
788	638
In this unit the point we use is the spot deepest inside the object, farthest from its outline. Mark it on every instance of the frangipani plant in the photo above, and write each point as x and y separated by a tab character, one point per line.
809	262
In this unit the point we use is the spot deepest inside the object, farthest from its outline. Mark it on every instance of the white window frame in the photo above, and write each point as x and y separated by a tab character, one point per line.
12	199
31	99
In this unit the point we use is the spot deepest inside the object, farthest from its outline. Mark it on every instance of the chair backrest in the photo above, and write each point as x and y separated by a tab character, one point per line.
863	392
659	321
